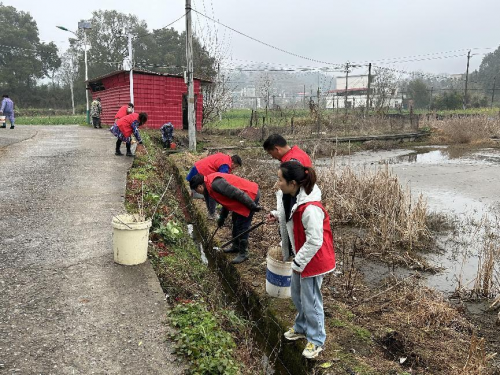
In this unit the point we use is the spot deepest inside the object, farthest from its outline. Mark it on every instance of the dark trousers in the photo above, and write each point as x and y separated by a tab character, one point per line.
119	143
211	204
96	121
242	223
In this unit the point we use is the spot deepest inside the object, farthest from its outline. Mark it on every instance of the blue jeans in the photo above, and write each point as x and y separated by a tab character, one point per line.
307	298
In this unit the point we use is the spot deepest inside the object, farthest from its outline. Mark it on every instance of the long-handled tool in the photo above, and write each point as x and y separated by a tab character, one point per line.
212	237
242	233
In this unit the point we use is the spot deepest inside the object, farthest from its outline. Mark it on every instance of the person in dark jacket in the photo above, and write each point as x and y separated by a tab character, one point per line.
235	194
218	162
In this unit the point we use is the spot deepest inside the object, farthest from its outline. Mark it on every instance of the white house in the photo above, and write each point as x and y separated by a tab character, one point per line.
356	94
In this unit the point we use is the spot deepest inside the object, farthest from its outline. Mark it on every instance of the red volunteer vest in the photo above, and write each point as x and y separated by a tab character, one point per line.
324	260
212	163
122	112
250	188
125	124
295	153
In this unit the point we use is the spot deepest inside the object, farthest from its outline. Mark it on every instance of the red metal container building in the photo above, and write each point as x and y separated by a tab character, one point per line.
162	96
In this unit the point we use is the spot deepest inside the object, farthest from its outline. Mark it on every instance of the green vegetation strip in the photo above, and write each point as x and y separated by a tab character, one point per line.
201	336
51	120
202	339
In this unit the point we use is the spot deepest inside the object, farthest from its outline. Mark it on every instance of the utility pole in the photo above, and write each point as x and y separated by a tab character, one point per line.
318	122
86	74
493	91
430	99
369	86
466	81
346	86
131	76
304	97
190	83
71	85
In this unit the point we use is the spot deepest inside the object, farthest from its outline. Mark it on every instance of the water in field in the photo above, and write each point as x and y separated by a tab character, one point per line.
461	183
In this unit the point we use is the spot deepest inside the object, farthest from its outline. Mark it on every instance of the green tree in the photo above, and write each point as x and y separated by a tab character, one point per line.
24	59
417	91
488	70
448	100
151	50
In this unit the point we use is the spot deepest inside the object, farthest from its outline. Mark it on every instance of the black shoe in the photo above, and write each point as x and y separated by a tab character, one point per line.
129	153
3	126
100	127
243	254
12	126
118	153
235	248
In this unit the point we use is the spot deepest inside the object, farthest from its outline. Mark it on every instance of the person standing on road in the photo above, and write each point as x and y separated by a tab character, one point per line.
235	194
218	162
124	110
95	112
276	146
7	109
306	234
125	127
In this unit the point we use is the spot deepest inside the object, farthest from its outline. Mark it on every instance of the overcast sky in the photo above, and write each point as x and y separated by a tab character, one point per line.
329	31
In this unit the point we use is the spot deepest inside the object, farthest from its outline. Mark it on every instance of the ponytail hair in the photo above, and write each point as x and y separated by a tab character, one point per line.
304	176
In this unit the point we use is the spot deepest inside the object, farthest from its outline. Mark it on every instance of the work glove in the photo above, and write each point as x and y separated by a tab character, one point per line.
220	221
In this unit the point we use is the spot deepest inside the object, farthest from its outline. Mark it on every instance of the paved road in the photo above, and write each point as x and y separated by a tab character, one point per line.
65	307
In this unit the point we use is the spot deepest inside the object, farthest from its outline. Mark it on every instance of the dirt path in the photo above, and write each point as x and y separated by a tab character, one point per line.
65	307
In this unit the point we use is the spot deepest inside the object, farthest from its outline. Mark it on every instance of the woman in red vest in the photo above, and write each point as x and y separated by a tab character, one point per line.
125	127
235	194
306	234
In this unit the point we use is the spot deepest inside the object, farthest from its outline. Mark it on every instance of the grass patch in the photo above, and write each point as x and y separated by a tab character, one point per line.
202	340
52	120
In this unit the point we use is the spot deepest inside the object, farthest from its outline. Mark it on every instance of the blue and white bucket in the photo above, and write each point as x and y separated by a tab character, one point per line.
278	278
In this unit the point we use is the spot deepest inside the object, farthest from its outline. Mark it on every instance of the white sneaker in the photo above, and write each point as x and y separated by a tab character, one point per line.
311	350
292	335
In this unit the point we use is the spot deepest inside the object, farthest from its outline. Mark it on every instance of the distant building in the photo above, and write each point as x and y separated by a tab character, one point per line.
356	94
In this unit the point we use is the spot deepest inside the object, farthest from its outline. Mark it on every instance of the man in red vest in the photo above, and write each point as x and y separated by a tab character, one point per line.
276	146
124	111
218	162
235	194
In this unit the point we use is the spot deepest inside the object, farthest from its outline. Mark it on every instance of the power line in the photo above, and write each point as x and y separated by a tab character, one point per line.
161	28
264	43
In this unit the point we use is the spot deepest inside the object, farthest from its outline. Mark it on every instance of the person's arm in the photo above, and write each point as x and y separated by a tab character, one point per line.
312	220
224	168
3	106
135	130
221	186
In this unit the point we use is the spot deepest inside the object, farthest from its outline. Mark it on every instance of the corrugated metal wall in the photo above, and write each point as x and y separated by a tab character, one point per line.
159	96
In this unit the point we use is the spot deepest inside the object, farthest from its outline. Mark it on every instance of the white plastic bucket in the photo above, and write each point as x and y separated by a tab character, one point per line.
130	239
278	278
2	120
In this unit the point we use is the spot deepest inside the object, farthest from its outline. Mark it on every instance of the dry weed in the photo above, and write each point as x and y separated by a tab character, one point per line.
375	200
465	129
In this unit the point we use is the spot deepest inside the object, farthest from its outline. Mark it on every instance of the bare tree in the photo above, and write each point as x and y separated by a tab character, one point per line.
384	88
68	73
